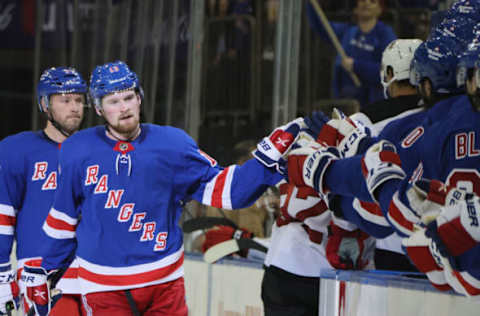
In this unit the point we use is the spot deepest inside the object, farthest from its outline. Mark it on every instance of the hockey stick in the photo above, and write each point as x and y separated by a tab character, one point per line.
228	247
205	223
333	37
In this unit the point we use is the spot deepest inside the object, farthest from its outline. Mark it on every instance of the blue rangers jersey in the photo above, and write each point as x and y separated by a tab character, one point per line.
450	152
28	177
344	177
121	202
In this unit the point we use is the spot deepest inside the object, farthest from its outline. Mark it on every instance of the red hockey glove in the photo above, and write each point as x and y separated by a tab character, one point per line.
219	234
349	249
340	131
38	290
271	150
307	165
9	292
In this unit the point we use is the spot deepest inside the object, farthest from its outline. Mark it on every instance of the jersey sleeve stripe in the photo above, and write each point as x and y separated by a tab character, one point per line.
57	233
7	220
7	210
218	188
217	191
63	217
6	230
370	212
58	224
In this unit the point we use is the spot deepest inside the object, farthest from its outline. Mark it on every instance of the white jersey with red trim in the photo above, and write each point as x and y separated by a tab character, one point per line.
28	180
299	234
119	203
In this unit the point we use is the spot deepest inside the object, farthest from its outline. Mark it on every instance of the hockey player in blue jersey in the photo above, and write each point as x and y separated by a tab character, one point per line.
121	191
434	85
447	251
28	173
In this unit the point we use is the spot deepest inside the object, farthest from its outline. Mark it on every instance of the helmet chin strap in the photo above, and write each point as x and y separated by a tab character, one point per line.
57	125
385	87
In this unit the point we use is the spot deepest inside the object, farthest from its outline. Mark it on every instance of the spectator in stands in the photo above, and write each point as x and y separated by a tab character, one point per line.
363	43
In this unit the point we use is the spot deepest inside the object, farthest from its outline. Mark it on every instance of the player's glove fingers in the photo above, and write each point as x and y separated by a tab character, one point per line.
272	149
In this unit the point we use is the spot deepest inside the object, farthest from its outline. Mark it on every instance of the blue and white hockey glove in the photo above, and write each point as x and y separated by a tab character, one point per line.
380	164
9	291
457	225
271	150
417	204
39	292
307	166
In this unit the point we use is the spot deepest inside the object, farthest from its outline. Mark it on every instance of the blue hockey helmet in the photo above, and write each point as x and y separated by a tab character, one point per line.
435	59
468	61
465	8
58	80
458	29
112	77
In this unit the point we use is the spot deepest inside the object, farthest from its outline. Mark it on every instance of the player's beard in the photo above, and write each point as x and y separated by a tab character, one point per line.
126	128
69	125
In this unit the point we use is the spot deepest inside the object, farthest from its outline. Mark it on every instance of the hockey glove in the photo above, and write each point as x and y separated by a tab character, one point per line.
341	132
315	124
348	248
271	150
220	234
425	255
40	291
416	204
307	166
380	164
9	291
457	226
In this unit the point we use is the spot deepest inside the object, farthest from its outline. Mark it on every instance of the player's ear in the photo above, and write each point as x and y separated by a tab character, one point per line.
99	110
